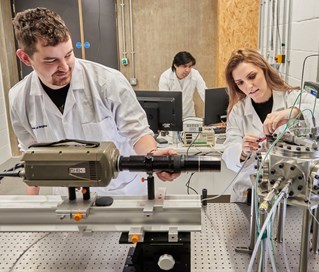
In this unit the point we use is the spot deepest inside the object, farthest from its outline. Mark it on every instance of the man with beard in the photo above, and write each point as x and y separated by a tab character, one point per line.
69	98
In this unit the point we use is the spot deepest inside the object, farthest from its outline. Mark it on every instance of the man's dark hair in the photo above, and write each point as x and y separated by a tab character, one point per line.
182	58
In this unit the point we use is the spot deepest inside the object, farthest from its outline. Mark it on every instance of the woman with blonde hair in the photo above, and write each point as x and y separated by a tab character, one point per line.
260	102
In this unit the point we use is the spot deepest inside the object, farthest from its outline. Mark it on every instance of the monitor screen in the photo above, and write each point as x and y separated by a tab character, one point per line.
216	103
163	109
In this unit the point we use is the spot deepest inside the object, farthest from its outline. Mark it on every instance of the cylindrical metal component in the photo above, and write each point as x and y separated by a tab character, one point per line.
150	187
304	248
204	197
86	193
175	163
72	194
280	223
315	232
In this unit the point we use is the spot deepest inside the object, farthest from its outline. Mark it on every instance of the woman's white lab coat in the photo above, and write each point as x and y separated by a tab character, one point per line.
169	82
243	119
100	106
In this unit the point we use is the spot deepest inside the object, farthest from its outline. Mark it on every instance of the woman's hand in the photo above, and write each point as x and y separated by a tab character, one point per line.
277	119
250	144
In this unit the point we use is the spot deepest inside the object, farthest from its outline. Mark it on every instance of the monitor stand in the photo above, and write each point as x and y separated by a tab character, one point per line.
160	141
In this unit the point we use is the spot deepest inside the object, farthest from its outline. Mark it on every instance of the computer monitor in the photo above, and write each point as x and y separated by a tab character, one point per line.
163	109
216	103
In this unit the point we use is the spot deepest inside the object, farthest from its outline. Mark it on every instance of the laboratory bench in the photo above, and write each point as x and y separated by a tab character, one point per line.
225	226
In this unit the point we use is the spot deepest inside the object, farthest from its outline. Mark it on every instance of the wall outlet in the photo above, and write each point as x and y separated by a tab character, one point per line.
133	81
124	61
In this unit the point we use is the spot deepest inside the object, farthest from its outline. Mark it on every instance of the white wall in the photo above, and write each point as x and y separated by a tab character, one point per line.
5	150
298	24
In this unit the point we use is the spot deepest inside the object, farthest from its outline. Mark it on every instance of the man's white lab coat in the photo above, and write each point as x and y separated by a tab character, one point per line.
170	82
100	106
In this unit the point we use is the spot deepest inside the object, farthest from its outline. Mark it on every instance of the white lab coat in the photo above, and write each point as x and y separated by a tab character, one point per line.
243	119
169	82
100	106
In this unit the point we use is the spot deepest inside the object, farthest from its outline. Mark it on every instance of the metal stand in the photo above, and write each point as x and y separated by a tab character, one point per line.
252	235
85	191
304	248
278	237
156	246
315	232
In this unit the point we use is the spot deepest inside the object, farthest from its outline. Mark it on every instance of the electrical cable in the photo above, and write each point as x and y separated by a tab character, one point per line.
188	185
18	259
251	263
283	236
192	144
232	181
303	71
272	249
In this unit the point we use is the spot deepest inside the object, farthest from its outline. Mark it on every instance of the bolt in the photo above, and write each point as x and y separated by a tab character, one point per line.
273	171
281	165
292	168
291	193
300	187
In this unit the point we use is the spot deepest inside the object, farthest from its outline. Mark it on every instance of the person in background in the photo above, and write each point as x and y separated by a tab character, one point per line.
260	103
183	77
69	98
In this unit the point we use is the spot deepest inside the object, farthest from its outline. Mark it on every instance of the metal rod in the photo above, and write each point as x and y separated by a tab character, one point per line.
304	248
72	194
278	237
123	29
81	28
132	40
315	232
150	187
176	163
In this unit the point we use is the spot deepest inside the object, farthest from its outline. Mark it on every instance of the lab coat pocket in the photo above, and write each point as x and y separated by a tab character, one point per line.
104	130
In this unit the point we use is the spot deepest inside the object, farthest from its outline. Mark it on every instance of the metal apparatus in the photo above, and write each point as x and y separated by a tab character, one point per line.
166	220
290	169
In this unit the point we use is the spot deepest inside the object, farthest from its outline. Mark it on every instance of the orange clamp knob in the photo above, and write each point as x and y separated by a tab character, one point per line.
78	216
134	238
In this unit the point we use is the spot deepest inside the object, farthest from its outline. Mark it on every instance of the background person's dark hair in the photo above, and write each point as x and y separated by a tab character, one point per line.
183	58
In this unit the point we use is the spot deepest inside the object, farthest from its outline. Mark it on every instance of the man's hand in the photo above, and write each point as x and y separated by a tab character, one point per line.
32	190
166	176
